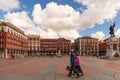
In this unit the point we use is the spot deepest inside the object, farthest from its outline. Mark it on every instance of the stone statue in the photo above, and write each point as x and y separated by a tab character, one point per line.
112	29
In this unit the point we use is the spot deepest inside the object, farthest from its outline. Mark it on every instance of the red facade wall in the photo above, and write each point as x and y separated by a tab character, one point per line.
48	45
103	46
17	43
54	45
5	39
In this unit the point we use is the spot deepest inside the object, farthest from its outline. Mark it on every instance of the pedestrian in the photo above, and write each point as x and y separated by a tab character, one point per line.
77	66
72	63
12	56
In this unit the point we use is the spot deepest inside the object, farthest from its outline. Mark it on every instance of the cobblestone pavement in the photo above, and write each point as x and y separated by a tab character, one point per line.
45	68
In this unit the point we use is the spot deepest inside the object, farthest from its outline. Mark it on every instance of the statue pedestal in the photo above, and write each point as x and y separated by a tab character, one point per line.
59	54
113	48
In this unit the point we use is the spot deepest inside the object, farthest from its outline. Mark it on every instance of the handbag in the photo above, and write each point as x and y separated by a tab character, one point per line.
68	68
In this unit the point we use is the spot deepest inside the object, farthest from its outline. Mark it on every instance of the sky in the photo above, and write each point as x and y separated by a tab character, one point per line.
68	19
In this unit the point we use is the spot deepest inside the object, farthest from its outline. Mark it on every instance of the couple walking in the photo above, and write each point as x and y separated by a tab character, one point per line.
75	65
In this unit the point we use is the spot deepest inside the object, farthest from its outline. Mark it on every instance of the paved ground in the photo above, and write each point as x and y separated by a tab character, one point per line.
45	68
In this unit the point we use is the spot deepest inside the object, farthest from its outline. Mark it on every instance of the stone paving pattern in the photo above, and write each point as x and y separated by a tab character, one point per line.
46	68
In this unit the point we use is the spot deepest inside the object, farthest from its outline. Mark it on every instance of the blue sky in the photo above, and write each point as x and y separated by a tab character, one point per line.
63	18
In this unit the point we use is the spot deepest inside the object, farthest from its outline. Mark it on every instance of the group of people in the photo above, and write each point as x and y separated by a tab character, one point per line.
75	65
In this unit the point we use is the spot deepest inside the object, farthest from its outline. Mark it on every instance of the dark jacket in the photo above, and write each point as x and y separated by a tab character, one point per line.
72	59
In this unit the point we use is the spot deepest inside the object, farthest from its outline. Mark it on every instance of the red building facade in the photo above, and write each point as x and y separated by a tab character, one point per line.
55	45
64	46
48	45
13	41
102	47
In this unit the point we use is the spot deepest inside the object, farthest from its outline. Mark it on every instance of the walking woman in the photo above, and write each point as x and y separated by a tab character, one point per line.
77	66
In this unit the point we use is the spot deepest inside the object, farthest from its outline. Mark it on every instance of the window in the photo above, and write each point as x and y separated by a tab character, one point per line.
11	32
2	29
108	47
114	47
1	46
8	30
14	33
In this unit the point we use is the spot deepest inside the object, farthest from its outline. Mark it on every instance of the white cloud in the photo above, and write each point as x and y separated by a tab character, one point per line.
36	13
7	5
63	18
48	33
100	35
69	34
117	33
60	19
56	17
21	20
99	10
